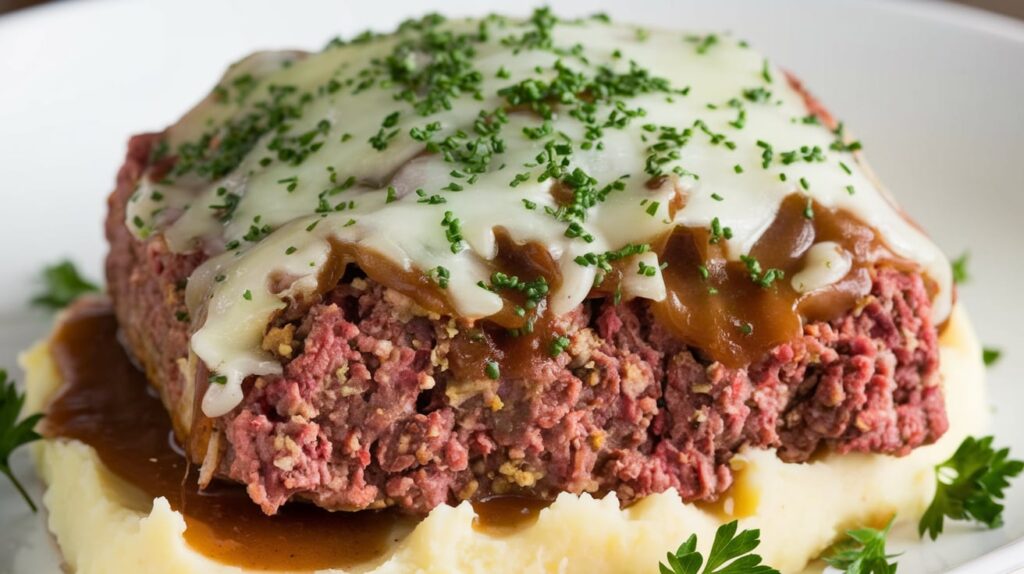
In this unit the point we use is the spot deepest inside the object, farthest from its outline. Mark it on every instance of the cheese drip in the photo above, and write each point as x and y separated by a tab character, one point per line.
294	154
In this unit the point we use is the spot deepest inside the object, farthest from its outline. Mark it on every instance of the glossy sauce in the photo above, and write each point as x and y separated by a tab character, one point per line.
503	514
740	501
728	317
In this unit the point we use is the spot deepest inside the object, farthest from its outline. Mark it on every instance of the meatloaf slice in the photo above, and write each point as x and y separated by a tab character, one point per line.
366	414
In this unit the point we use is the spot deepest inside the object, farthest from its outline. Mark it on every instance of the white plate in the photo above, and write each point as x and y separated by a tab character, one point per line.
934	90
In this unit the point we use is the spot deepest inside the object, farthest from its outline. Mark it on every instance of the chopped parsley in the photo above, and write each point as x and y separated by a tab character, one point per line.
256	231
665	150
386	133
533	290
766	72
426	132
841	143
764	278
647	270
429	199
429	86
810	120
290	183
809	209
492	370
218	151
227	206
604	260
757	95
703	43
718	232
294	149
767	153
808	154
441	276
558	345
453	231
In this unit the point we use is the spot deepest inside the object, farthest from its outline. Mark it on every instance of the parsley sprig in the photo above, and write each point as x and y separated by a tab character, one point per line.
730	554
14	433
62	285
863	552
970	485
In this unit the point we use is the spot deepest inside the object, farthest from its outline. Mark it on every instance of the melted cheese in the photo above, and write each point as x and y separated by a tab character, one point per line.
826	263
278	200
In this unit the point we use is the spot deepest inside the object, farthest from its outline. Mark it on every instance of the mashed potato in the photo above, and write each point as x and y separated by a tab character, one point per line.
800	508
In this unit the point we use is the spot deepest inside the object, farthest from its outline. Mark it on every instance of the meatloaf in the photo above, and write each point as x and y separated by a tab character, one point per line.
374	406
366	415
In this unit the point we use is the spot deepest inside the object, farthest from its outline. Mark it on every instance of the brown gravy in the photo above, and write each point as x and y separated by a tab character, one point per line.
740	501
504	513
730	318
107	404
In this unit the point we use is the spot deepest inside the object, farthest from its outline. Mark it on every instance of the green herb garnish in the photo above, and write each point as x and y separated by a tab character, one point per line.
764	278
960	274
441	276
14	433
492	370
63	284
970	485
990	355
730	554
558	345
863	552
718	232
